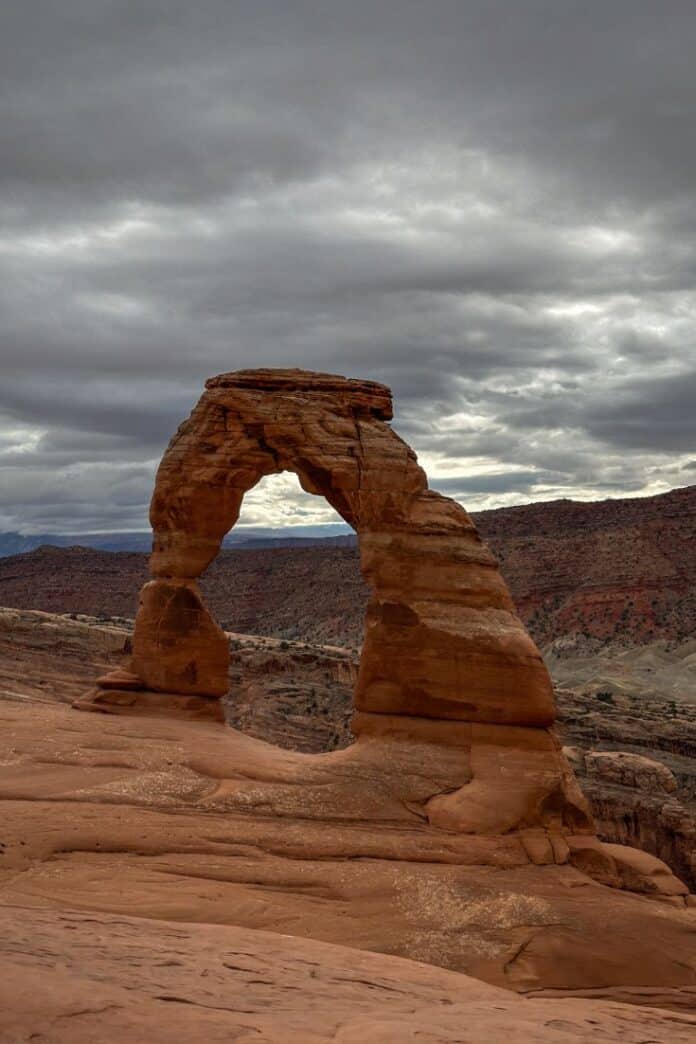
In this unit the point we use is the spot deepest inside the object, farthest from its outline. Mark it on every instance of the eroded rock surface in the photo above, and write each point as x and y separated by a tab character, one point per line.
630	770
442	640
179	820
71	978
634	754
187	821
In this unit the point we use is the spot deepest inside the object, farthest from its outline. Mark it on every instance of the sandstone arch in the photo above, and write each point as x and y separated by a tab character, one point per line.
454	705
442	638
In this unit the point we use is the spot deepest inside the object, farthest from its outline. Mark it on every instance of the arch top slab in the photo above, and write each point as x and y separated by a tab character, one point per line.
367	396
330	430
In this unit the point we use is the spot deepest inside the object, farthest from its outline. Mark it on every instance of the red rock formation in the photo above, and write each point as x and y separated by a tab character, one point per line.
190	822
442	637
177	646
616	571
446	663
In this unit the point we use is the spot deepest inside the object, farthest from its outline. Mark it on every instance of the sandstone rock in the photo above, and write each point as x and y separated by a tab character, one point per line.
132	700
585	573
642	872
643	751
619	571
75	978
630	770
622	867
591	856
575	757
56	657
442	639
121	679
188	822
177	646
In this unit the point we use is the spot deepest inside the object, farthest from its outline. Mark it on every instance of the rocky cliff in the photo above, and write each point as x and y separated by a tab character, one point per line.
619	570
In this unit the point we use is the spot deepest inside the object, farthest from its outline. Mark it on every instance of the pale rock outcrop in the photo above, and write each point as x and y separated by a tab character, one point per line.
630	770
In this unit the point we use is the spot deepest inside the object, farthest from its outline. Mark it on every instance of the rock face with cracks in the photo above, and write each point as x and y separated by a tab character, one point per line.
172	820
445	660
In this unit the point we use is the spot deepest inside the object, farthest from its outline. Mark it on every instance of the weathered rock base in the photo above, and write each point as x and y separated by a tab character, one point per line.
151	704
122	691
186	821
453	830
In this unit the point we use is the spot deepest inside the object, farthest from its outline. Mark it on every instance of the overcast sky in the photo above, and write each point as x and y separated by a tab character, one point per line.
488	205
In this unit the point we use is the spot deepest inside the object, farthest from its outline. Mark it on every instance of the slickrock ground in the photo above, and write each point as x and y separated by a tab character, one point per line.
187	821
451	830
44	656
73	978
180	821
294	694
106	818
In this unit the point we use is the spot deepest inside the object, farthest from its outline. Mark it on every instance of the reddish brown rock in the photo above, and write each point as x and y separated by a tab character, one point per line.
442	638
186	821
112	700
177	646
613	570
73	978
630	770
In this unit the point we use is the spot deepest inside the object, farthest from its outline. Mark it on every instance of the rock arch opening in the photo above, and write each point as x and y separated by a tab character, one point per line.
277	507
299	583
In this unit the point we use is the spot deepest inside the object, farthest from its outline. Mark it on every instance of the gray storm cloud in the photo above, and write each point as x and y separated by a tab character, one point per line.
490	206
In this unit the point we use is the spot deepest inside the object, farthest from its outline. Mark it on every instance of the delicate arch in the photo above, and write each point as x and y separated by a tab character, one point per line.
442	639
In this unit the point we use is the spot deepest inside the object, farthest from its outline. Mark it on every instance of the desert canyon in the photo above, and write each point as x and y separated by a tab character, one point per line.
183	855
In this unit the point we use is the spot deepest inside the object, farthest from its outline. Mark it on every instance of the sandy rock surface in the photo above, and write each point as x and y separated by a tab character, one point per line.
188	821
74	978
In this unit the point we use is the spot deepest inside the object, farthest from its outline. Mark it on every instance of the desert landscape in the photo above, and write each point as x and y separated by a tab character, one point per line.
227	784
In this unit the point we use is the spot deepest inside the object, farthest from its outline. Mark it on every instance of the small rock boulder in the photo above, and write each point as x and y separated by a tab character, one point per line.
630	770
